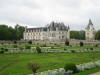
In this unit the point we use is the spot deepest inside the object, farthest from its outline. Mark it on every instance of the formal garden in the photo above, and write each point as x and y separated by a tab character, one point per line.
49	59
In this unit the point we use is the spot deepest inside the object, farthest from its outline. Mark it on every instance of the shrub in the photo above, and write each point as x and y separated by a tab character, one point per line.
2	43
70	66
27	46
73	51
70	45
87	48
65	49
44	45
57	45
2	49
52	47
15	42
15	46
81	44
21	48
38	49
1	52
30	42
67	43
96	45
34	67
91	48
6	49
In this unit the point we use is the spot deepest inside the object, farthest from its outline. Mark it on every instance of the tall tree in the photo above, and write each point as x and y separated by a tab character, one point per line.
97	36
80	35
9	33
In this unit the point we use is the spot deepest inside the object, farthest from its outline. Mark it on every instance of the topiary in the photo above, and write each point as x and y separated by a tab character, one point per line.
30	42
67	43
44	45
2	49
38	49
27	46
65	49
15	46
52	47
70	66
81	44
73	51
91	48
1	52
6	49
15	42
96	45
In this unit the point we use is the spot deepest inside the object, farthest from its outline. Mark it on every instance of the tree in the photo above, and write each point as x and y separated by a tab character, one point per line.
70	66
97	36
30	41
9	33
34	67
19	31
67	42
38	49
80	35
81	44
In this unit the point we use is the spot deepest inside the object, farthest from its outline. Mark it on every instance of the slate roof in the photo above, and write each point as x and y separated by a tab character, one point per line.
52	27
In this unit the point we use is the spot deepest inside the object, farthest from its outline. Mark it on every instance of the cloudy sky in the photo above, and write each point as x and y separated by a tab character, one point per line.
36	13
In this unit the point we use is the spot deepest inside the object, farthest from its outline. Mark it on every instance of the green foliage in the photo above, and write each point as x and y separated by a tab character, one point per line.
34	67
15	42
96	45
81	44
15	46
9	33
57	45
1	52
77	35
65	49
2	49
52	47
97	36
91	48
73	51
44	45
70	66
27	46
38	49
67	43
30	42
6	49
21	48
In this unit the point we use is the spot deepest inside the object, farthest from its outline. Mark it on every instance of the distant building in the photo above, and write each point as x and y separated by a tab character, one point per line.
51	32
90	31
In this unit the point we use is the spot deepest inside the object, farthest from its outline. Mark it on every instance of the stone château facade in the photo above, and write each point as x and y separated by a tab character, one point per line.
51	32
90	31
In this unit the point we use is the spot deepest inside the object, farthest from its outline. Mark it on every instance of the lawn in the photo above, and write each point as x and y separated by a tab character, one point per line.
16	64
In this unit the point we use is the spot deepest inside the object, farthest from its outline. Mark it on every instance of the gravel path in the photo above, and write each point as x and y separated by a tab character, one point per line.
97	73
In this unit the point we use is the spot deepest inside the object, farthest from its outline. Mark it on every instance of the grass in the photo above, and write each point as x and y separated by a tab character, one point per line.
16	64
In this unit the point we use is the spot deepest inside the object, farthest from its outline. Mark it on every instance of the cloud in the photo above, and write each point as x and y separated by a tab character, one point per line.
35	13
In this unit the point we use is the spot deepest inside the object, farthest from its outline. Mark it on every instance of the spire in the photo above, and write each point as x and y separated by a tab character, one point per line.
68	27
90	22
